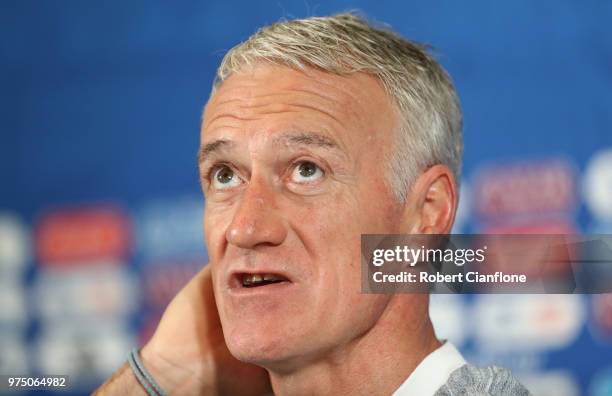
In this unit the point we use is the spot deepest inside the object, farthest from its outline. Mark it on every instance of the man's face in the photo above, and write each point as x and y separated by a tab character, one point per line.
293	169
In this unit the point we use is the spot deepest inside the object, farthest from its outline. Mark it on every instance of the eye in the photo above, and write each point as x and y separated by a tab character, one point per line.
306	171
223	177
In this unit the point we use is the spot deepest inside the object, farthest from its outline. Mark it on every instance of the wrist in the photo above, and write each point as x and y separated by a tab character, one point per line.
175	377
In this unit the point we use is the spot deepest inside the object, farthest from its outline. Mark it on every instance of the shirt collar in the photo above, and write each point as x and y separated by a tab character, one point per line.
432	372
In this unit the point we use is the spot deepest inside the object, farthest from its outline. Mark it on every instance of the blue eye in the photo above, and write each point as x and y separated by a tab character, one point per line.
306	172
223	177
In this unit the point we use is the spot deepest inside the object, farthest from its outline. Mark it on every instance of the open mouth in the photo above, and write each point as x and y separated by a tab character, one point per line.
259	280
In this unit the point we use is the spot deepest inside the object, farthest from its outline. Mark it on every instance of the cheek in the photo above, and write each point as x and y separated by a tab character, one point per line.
338	240
336	243
215	225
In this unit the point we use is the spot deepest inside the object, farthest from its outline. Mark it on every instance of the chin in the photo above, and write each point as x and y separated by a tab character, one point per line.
259	345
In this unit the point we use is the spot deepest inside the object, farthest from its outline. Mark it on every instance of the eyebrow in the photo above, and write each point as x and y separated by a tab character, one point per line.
307	139
297	138
212	148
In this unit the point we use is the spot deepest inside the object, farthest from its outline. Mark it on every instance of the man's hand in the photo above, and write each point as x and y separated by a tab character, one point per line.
187	354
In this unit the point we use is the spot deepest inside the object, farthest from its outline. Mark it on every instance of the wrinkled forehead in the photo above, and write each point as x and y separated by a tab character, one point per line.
262	78
351	106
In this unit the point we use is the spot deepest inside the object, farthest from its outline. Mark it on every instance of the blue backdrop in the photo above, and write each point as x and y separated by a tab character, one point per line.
100	208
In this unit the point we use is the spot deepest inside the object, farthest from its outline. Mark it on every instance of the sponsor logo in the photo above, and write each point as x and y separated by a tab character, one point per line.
525	188
14	312
597	187
14	245
74	237
527	322
601	317
14	356
98	292
542	226
84	356
171	228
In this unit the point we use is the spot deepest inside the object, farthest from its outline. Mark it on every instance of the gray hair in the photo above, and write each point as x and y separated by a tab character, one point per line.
430	122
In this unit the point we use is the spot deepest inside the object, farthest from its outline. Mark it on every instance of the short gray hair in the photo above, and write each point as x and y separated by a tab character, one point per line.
430	115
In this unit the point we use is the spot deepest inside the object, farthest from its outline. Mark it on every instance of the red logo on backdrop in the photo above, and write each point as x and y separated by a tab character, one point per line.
543	226
74	236
547	245
525	188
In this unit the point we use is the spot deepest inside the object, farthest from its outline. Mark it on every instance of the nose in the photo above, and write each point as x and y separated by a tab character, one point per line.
257	221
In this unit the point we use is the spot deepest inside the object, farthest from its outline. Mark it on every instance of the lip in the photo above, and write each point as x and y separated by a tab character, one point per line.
235	281
265	290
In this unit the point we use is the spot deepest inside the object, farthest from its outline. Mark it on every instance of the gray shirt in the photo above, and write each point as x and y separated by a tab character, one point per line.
475	381
444	372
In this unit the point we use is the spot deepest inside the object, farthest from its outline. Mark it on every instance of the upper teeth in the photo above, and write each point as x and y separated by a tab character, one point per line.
249	279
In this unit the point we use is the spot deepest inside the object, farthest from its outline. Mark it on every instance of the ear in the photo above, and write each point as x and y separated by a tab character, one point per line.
432	203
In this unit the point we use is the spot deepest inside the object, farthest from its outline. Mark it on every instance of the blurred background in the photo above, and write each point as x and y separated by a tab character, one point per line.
100	208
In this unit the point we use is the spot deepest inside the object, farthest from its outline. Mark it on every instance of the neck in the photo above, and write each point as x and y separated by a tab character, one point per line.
377	362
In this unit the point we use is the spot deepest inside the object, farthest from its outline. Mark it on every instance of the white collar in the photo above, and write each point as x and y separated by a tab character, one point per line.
432	372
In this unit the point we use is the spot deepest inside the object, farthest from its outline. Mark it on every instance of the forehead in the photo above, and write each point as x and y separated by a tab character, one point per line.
267	99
